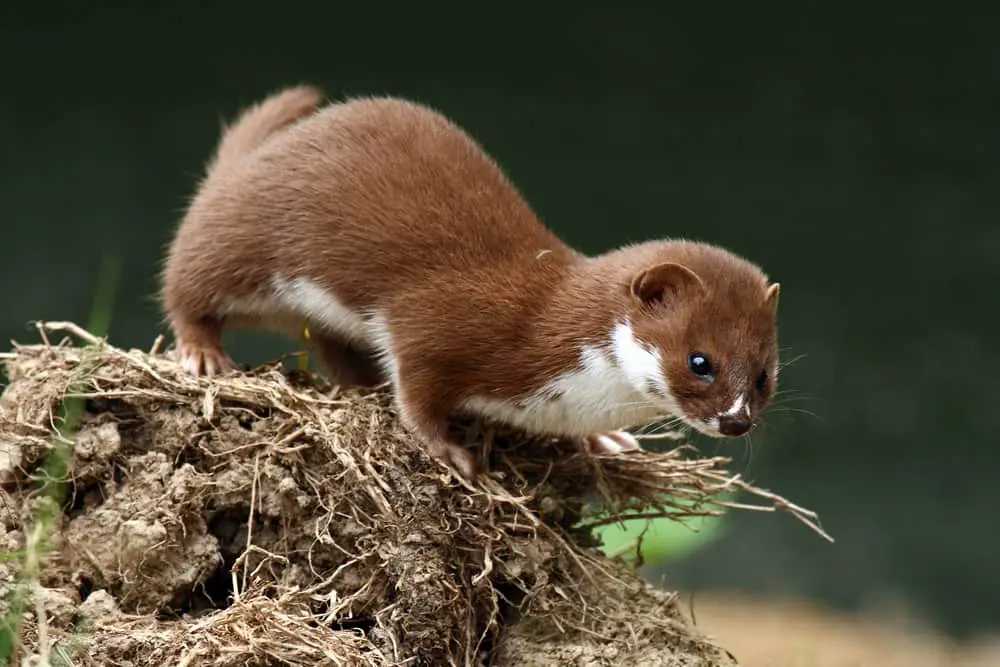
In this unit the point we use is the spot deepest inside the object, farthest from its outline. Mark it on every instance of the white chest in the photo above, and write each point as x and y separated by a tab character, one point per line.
605	393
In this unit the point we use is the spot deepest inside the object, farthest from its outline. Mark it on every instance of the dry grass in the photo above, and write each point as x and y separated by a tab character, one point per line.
263	518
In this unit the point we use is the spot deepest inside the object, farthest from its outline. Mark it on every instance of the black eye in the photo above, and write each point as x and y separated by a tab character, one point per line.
761	381
700	365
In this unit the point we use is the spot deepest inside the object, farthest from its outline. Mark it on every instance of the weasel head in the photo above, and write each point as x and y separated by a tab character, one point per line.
707	328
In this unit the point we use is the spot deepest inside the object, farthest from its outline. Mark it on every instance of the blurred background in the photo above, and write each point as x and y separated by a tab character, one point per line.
848	148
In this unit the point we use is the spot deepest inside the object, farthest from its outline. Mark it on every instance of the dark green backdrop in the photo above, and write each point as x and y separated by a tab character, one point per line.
849	148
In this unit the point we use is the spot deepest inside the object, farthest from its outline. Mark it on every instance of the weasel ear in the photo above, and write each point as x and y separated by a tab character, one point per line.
771	298
660	283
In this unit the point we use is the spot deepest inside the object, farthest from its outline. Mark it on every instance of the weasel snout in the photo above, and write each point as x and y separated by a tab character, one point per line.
733	422
734	425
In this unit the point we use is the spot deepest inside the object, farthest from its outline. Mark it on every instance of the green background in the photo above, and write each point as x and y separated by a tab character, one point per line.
849	148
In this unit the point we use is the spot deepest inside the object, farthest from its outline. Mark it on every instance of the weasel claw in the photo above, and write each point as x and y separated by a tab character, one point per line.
198	360
457	457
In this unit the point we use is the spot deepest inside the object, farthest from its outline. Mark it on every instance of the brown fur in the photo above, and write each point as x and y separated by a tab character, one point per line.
390	206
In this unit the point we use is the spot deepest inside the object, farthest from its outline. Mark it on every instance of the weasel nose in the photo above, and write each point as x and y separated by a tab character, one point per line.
729	425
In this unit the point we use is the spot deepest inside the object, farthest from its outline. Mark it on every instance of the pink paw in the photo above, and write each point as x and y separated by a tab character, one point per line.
455	456
612	442
201	360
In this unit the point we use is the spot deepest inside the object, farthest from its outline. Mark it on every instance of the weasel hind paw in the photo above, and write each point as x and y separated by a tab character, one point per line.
203	360
612	442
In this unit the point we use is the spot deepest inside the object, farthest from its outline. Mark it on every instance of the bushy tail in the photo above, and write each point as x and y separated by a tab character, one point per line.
259	121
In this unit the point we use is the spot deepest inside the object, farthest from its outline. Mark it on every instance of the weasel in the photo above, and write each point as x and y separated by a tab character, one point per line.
389	232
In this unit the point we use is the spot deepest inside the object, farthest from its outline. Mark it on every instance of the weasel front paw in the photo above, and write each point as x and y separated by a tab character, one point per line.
455	456
203	359
612	442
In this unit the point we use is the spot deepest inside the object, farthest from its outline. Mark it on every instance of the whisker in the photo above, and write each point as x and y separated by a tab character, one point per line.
657	435
785	399
789	408
748	453
787	390
788	405
785	364
786	408
669	435
669	421
634	404
663	430
794	397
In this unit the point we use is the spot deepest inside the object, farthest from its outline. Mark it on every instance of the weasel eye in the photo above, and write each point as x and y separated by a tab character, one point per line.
700	365
761	381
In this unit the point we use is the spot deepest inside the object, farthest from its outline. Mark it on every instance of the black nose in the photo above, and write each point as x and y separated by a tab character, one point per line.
734	425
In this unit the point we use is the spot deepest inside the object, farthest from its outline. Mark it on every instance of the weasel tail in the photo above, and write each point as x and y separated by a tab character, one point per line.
261	120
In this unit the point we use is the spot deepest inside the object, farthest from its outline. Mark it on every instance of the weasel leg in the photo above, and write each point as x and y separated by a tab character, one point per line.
345	364
424	396
431	427
612	442
199	346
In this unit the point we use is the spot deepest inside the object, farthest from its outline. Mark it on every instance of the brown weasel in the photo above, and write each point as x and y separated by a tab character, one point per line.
390	233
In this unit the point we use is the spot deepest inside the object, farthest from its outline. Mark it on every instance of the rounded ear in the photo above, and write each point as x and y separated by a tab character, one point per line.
771	297
660	283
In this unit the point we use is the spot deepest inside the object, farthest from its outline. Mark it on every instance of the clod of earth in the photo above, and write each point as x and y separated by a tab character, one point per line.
266	519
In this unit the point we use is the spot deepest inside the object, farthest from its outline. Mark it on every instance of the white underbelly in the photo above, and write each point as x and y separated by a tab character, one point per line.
563	417
291	304
592	399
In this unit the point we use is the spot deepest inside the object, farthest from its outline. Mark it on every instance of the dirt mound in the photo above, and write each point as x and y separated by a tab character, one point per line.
266	519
